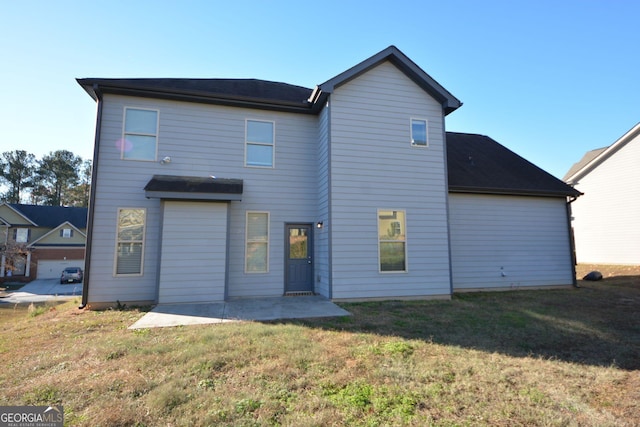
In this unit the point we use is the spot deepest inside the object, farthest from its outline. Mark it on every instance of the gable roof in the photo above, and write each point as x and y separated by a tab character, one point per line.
52	216
594	158
478	164
19	214
265	94
51	233
392	54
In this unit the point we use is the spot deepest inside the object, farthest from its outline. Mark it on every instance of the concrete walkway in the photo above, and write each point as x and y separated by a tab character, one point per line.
41	290
257	309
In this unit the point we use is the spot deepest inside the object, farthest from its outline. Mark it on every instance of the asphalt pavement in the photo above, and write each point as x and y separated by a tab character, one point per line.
41	290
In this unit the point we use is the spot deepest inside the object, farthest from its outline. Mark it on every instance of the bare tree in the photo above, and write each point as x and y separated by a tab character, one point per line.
14	253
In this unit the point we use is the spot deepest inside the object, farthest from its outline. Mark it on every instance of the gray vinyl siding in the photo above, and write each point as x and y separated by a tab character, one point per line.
119	184
288	192
374	166
607	218
202	140
193	259
322	260
526	238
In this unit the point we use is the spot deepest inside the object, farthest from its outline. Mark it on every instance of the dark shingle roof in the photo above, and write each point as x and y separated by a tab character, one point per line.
53	216
262	93
478	164
239	92
194	184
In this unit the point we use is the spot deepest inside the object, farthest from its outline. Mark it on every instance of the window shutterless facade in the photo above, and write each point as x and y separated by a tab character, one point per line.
129	257
140	134
257	243
392	241
259	143
419	133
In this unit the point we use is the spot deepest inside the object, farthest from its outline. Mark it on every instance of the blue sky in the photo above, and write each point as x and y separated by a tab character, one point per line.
548	79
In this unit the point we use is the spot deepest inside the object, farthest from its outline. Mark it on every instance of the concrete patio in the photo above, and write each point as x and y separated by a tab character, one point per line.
247	309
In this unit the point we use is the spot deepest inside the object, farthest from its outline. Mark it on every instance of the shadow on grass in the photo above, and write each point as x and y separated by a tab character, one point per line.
596	324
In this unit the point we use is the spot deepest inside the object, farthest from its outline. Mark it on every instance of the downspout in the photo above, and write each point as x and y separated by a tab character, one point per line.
572	242
446	191
330	196
92	199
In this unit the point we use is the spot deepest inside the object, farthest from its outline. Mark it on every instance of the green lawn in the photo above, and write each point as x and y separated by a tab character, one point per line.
547	358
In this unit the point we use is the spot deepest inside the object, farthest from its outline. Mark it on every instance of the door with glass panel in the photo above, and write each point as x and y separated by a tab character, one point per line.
299	258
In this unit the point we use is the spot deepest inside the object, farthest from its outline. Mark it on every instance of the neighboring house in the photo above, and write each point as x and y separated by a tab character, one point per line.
209	189
40	241
606	220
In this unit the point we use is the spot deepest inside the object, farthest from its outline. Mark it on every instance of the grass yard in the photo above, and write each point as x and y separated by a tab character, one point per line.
545	358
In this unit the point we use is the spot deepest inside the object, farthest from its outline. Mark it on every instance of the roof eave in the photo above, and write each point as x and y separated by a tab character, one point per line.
178	195
90	86
513	192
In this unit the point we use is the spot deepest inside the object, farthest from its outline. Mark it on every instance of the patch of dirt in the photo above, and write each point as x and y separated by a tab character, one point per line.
607	270
625	277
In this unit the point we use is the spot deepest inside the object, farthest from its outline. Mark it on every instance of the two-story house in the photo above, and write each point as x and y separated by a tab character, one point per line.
40	241
209	189
606	220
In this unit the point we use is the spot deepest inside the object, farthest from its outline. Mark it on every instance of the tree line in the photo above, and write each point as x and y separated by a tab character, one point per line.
59	178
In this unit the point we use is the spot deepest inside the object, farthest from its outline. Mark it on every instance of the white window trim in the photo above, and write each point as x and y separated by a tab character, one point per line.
426	126
247	142
246	240
144	243
124	134
406	238
67	233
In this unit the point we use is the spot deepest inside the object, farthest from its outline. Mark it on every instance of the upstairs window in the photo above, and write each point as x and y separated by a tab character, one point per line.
419	133
140	138
66	233
259	143
392	241
21	235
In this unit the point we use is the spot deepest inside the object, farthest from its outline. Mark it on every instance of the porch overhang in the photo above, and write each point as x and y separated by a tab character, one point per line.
173	187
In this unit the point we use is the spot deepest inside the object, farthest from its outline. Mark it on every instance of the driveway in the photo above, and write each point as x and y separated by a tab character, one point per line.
41	290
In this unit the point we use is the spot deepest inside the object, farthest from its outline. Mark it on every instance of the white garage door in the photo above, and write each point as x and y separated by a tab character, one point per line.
508	242
48	269
193	265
